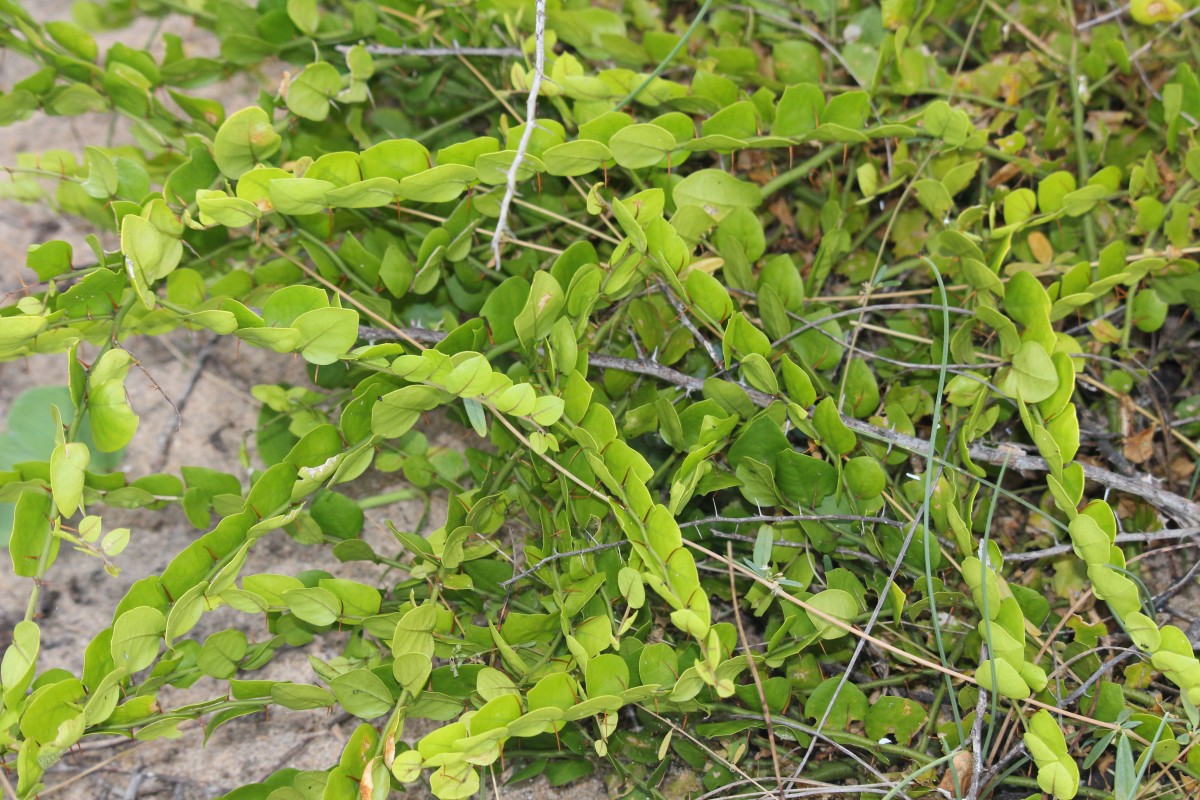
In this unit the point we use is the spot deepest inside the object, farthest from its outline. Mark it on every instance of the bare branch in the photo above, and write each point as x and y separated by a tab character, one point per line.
981	705
535	85
555	557
713	351
436	52
1122	538
790	518
1181	509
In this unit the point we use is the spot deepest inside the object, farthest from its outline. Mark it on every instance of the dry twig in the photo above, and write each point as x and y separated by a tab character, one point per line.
1178	508
535	86
454	49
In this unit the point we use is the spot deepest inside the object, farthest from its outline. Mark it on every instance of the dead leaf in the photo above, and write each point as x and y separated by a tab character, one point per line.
1182	468
1004	173
1140	446
781	210
957	779
1041	248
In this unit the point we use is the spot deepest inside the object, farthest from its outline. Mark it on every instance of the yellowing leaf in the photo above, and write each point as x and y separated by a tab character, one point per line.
243	141
1148	12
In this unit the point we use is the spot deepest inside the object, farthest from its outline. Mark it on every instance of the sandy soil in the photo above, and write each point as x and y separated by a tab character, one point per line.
219	416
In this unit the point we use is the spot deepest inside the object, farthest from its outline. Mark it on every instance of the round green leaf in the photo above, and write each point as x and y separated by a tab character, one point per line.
640	146
309	93
716	192
113	421
243	141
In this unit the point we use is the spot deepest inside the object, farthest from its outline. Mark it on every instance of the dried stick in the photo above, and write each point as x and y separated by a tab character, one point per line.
535	85
1178	508
555	557
1122	538
981	704
758	684
436	52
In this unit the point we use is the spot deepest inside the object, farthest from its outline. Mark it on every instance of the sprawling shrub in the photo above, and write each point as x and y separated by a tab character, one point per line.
757	321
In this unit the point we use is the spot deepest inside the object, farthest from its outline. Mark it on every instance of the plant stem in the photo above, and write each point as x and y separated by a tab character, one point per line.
799	171
683	40
71	435
387	498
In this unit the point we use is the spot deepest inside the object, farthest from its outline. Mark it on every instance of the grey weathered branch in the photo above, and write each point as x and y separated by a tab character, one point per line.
1178	508
556	556
514	169
436	52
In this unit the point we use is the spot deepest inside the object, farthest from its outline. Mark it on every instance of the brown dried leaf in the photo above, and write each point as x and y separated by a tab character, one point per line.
957	779
1004	173
1182	468
1140	446
781	210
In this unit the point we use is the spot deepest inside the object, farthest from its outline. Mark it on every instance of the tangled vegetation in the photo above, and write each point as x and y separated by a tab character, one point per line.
826	371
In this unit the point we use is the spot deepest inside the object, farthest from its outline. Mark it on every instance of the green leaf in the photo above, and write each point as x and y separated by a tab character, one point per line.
31	537
1057	772
299	196
541	310
861	389
799	111
326	334
581	157
629	583
49	260
897	715
243	141
222	653
799	386
315	606
113	421
847	110
843	706
67	465
150	255
362	693
1019	205
835	436
301	696
411	671
642	145
742	338
934	198
1033	373
136	636
304	15
73	38
1053	189
1149	311
396	159
20	662
997	675
310	93
1149	12
836	603
438	185
357	599
1026	300
864	477
716	192
218	208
